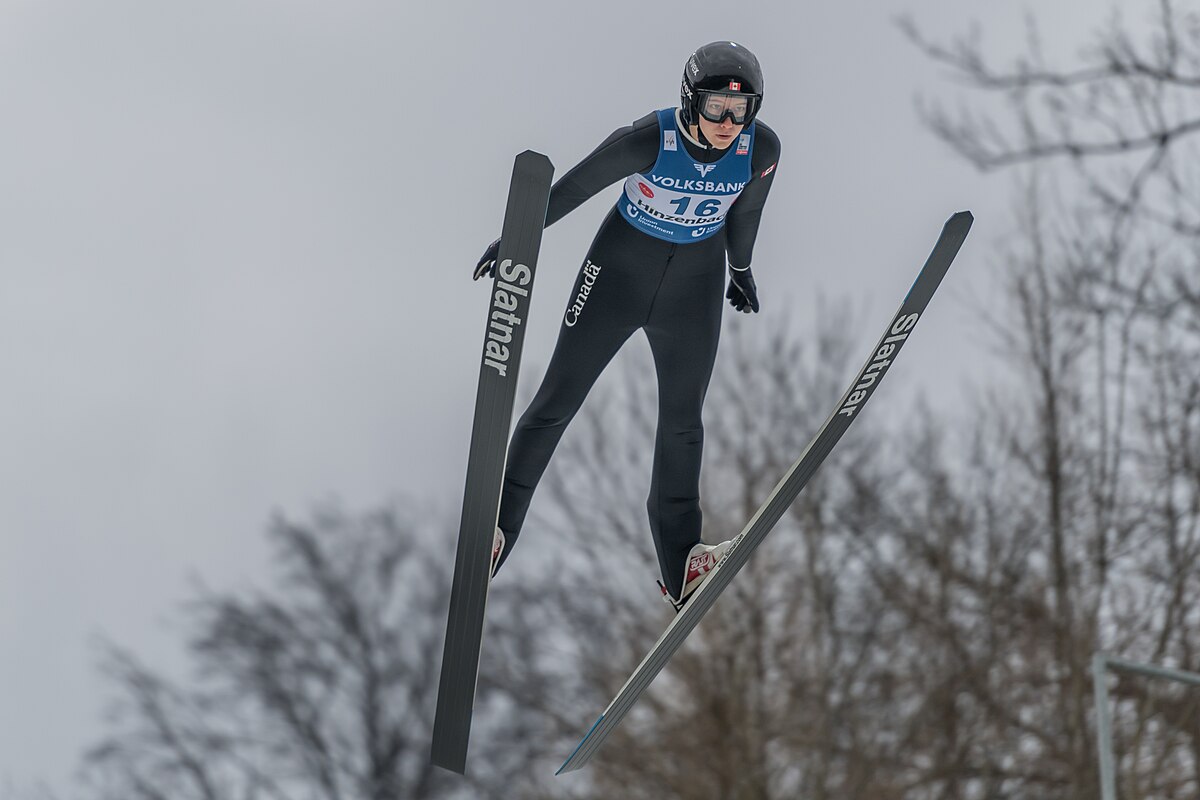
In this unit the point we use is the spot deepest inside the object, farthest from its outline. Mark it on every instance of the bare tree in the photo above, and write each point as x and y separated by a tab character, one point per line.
1126	120
322	686
1106	298
1132	103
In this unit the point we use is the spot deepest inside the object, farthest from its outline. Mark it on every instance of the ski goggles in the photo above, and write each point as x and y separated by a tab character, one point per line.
716	106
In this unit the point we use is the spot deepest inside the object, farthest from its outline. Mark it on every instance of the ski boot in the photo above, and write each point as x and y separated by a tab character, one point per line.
700	562
497	549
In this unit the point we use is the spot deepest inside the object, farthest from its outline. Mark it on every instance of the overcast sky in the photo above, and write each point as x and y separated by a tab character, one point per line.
236	240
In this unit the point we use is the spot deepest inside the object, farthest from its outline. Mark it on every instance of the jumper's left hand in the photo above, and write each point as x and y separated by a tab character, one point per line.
487	263
742	293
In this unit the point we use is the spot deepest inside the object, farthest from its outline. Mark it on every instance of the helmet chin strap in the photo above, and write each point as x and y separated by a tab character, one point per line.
700	138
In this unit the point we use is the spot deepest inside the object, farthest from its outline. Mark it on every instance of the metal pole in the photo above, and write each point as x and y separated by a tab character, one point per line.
1125	665
1108	777
1101	664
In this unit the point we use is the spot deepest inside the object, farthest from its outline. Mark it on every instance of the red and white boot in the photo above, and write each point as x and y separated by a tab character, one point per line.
700	562
497	549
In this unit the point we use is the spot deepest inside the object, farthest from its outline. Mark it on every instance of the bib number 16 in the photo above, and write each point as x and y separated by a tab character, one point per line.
707	208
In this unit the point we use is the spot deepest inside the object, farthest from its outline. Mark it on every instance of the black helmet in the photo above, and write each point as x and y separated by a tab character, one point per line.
724	68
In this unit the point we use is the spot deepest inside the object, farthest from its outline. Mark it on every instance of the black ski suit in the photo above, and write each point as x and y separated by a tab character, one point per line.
631	280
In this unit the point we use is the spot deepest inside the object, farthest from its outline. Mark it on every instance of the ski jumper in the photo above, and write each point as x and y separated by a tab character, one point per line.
657	264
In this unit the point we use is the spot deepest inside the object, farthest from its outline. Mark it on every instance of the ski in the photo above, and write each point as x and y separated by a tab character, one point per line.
847	410
504	334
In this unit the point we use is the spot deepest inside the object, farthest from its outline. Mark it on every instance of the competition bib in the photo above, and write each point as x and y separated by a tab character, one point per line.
680	199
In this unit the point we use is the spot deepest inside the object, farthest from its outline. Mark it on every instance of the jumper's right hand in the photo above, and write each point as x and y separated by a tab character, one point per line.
487	264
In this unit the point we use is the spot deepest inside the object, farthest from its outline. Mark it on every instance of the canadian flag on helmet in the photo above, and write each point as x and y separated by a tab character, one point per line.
734	86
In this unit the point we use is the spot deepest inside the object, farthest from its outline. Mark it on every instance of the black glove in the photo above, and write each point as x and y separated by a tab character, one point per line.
742	293
487	264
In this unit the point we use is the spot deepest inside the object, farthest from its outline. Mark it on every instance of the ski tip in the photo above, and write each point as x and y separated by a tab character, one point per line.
959	225
535	156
